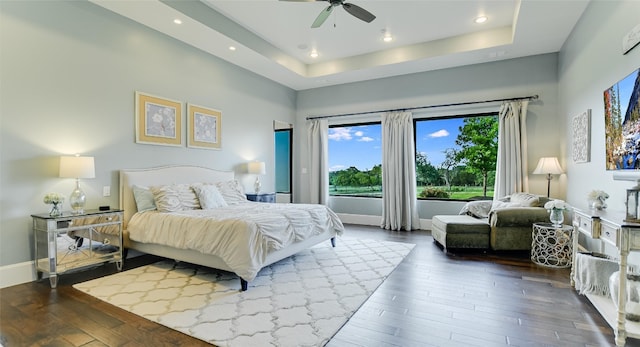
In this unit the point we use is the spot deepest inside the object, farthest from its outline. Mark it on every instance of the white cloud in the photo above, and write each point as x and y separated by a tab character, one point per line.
440	133
358	133
339	134
365	139
336	168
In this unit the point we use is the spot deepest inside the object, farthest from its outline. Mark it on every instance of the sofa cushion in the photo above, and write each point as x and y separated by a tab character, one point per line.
525	199
460	224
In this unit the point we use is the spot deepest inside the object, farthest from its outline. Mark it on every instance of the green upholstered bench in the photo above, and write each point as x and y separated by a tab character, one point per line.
460	231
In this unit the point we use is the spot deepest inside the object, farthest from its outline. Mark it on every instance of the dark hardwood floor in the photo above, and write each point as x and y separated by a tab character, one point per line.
433	298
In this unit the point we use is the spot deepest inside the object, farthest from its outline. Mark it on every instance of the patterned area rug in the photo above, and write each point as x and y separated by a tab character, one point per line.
300	301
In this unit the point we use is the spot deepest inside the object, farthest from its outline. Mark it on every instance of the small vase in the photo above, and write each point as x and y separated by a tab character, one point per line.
55	210
598	204
556	217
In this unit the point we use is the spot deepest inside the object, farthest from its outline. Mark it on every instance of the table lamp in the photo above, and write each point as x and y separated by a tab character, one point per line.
257	168
548	166
77	167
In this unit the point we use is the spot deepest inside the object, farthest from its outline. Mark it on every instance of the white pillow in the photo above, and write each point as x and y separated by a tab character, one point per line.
232	192
209	196
144	198
175	197
477	209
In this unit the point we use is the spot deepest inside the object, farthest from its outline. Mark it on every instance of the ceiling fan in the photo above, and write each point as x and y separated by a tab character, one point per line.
354	10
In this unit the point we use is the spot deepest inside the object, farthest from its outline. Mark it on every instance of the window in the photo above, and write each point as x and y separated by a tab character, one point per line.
355	157
456	157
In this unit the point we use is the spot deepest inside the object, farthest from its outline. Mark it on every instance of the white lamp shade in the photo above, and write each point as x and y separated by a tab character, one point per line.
548	165
77	167
256	167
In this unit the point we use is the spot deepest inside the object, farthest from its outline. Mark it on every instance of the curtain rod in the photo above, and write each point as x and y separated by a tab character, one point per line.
531	97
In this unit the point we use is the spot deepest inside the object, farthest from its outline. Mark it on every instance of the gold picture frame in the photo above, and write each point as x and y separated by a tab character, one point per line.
158	120
204	127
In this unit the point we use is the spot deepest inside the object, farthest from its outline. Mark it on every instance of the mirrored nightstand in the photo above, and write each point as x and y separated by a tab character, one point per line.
72	241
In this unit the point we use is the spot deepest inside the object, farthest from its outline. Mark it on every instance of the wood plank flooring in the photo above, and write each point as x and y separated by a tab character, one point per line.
433	298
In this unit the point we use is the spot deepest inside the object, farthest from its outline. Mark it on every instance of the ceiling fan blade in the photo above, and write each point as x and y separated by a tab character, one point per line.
359	12
322	17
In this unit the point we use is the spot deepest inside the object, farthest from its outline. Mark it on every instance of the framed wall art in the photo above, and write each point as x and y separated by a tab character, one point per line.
622	125
158	120
204	127
581	129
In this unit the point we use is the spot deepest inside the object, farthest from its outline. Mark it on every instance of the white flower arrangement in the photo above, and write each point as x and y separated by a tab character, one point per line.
53	198
556	205
598	195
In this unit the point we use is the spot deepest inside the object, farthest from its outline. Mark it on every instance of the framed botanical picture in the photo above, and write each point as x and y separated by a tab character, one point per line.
158	120
204	127
581	129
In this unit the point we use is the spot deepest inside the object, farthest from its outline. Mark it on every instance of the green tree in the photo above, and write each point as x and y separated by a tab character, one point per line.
478	141
425	172
376	175
447	164
347	177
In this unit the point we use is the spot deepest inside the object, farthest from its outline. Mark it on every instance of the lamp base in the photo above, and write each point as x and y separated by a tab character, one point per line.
257	185
77	200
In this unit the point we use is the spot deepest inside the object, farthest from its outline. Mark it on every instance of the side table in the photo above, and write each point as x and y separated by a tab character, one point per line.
59	240
552	245
262	197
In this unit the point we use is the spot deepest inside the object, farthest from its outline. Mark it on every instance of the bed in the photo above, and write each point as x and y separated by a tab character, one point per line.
241	237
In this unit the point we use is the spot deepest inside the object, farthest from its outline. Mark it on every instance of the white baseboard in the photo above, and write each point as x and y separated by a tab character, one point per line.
361	219
14	274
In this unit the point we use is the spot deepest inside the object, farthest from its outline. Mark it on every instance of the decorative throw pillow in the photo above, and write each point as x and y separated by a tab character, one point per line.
144	198
232	192
209	196
175	197
477	209
525	199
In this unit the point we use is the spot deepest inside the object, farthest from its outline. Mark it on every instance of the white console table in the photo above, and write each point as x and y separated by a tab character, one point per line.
610	227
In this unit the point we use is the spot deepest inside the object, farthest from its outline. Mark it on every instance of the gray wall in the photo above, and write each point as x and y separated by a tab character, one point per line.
503	79
69	71
590	62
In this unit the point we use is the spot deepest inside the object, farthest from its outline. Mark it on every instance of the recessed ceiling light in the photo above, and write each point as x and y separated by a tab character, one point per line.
177	21
232	48
387	37
481	19
313	54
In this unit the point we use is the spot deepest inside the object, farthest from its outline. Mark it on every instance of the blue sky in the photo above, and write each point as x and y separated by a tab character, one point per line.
361	146
626	87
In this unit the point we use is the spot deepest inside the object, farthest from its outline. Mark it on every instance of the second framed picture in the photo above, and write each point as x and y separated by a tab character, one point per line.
204	127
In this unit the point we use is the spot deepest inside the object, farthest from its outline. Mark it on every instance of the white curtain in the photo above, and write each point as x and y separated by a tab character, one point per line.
511	166
399	204
318	137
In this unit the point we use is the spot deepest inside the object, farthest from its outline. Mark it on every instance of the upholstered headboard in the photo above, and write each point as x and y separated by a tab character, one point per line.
161	176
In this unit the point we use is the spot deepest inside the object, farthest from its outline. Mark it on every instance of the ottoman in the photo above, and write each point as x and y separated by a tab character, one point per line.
460	231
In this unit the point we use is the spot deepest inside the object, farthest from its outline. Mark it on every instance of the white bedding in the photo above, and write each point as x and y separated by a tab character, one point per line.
241	234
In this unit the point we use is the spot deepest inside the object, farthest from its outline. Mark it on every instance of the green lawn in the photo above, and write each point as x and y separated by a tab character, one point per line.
457	193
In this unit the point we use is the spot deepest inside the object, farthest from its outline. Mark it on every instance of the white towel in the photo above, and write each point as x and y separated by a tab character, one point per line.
592	273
